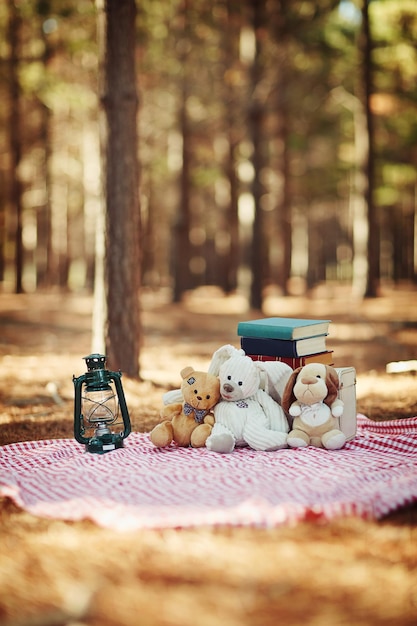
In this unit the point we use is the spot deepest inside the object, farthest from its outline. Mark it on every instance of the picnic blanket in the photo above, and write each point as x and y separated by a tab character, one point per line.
140	486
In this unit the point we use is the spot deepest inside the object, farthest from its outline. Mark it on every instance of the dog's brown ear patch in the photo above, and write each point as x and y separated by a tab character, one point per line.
288	396
332	383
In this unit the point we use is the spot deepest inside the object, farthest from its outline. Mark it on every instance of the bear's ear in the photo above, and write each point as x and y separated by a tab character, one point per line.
186	372
288	396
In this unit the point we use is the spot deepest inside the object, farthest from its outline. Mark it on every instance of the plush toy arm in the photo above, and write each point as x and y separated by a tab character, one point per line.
171	410
209	419
337	408
275	414
260	437
266	427
295	409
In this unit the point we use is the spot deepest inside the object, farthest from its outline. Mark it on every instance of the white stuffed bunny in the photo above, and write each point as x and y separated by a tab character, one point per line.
246	415
272	375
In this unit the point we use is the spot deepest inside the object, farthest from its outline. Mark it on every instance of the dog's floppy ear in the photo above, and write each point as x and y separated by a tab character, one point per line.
288	396
332	383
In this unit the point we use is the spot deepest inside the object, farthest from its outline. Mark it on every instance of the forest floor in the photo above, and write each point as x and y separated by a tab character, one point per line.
348	572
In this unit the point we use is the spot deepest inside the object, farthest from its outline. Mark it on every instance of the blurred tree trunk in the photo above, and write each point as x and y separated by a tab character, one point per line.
284	208
181	258
357	190
259	256
231	53
120	168
3	207
44	218
43	253
149	228
373	276
15	139
402	230
281	31
231	276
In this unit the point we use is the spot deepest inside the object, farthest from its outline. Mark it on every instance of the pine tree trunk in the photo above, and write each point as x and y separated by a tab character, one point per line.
259	264
231	51
285	213
15	142
43	255
122	223
373	223
181	251
181	261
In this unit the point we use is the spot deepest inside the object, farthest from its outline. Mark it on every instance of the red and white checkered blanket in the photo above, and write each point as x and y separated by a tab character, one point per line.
140	486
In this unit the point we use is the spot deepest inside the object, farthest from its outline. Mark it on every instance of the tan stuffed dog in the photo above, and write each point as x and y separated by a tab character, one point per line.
310	396
189	423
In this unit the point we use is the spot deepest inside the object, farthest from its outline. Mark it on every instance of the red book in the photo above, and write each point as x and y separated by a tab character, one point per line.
297	361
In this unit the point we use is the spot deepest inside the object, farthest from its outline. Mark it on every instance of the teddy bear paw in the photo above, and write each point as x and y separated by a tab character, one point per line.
162	435
199	435
222	443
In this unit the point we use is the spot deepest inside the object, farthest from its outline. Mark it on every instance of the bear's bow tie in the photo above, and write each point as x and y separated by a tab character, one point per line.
199	414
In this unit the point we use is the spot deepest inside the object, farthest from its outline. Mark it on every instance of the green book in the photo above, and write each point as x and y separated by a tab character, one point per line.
283	328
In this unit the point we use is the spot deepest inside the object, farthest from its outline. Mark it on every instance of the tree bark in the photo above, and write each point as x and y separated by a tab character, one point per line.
284	209
15	141
259	263
373	224
230	46
120	167
182	253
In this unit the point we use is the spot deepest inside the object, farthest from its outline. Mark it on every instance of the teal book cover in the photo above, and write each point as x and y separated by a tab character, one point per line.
283	328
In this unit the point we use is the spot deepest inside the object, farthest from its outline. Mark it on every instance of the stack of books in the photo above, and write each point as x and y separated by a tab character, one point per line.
290	340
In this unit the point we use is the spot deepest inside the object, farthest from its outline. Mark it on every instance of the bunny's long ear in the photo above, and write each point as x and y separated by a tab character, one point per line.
288	396
222	355
275	376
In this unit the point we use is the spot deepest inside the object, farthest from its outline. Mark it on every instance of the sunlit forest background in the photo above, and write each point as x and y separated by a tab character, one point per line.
277	144
168	167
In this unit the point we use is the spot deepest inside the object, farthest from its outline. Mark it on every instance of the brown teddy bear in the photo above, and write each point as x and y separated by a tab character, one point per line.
311	398
189	423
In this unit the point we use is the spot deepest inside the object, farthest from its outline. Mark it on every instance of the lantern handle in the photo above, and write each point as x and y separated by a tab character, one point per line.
78	418
116	376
